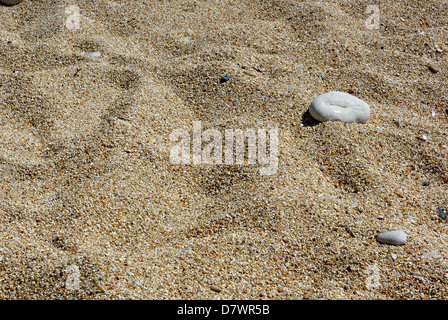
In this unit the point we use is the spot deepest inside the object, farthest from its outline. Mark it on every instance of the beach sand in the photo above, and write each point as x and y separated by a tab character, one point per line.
92	207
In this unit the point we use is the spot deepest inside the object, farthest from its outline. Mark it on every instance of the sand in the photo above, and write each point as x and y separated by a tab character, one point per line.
92	207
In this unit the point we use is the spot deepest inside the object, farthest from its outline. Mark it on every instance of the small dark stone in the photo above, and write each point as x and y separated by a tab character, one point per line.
346	287
224	78
441	214
426	183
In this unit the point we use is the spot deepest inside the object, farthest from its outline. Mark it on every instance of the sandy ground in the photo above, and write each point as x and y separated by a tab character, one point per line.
92	207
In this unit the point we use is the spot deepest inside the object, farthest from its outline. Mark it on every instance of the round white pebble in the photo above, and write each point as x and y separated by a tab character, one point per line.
395	237
339	106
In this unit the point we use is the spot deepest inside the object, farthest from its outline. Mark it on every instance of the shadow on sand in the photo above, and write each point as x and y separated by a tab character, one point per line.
307	120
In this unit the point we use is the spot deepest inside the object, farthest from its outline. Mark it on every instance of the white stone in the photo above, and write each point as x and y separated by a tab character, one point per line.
395	237
94	54
339	106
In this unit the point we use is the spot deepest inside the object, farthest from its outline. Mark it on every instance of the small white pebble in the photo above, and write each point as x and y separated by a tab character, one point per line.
94	54
424	138
339	106
395	237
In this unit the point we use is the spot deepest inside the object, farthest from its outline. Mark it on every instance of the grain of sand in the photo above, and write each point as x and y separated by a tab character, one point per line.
92	208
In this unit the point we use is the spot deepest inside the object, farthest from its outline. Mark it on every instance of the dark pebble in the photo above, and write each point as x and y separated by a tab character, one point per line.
346	287
441	214
426	183
225	78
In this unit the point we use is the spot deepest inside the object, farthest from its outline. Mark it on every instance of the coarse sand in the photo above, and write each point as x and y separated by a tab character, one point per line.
92	207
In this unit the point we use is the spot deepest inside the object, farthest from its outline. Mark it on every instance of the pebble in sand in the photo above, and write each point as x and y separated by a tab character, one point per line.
339	106
395	237
94	54
224	78
434	67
